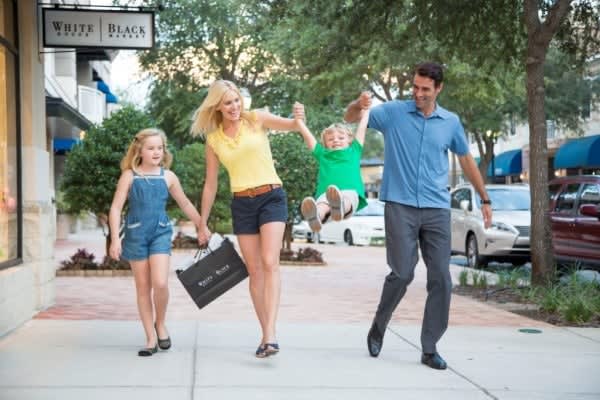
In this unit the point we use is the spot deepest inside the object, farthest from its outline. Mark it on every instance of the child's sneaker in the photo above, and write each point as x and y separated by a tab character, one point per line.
336	202
309	211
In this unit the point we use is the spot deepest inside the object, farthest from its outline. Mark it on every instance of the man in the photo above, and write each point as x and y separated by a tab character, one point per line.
418	135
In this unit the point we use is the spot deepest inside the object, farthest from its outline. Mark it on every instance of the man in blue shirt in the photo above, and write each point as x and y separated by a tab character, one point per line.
418	135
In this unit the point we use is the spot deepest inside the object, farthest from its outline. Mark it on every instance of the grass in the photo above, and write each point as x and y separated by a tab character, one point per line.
571	298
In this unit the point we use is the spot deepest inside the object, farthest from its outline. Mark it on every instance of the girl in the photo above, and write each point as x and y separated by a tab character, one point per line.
238	139
146	183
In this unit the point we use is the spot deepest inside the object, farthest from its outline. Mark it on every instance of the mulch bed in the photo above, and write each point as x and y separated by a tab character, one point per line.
511	300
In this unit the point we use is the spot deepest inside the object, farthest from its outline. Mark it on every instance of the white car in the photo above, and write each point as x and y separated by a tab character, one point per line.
364	228
507	240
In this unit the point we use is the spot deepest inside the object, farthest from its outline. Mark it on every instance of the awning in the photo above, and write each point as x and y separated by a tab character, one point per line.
62	145
579	153
507	163
103	87
57	107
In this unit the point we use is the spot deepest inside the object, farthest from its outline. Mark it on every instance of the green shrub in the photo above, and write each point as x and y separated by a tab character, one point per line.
463	277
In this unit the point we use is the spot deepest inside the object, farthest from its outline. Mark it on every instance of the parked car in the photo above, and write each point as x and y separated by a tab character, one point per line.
575	219
364	228
507	240
301	230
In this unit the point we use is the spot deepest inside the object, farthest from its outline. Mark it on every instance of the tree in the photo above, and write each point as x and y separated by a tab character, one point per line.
206	39
298	170
92	167
508	31
172	104
190	167
485	103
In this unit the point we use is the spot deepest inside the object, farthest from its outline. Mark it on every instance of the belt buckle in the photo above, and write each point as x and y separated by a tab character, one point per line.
252	193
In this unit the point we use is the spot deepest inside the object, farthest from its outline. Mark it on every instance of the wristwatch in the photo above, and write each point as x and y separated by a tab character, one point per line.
488	201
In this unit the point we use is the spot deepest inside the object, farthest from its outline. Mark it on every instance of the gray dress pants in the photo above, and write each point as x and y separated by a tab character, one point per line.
406	228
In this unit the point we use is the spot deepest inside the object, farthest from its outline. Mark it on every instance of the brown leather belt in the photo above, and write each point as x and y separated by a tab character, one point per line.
256	191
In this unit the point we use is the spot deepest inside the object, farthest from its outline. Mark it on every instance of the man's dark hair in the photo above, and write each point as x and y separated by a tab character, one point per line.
431	70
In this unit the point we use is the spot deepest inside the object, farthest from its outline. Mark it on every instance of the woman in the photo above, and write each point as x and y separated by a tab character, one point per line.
237	138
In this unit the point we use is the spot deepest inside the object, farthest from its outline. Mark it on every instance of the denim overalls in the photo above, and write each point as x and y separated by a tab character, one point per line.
147	227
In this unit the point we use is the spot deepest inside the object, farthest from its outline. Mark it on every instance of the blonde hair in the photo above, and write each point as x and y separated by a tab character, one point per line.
133	160
337	127
207	118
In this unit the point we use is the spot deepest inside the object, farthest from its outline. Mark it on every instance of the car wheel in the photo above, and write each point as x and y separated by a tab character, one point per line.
309	237
348	238
474	260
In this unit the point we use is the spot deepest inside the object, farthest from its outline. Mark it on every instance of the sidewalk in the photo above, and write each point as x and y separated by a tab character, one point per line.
85	346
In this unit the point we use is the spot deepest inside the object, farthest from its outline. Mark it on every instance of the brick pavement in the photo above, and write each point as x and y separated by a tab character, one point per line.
346	290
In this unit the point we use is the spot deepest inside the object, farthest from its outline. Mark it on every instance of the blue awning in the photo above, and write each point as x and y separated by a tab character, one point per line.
103	87
579	153
507	163
64	144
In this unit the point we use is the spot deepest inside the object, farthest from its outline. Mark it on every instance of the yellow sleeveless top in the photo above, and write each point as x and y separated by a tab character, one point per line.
247	157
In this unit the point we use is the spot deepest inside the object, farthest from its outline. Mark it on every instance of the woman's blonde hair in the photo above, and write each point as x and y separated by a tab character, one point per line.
337	127
133	160
207	118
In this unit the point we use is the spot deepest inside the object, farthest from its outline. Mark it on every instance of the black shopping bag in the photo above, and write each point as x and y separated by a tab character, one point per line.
212	273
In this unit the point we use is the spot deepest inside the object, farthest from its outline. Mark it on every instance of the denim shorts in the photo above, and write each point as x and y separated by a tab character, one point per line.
144	237
249	213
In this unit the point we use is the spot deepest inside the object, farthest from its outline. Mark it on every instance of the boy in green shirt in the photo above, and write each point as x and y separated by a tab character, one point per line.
340	190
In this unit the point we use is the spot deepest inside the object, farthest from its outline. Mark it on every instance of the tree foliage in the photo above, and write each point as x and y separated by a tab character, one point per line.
172	104
297	169
207	39
190	167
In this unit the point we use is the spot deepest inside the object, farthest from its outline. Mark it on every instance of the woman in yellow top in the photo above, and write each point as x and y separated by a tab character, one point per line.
237	138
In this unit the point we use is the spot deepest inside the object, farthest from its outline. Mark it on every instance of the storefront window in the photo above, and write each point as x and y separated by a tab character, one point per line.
9	139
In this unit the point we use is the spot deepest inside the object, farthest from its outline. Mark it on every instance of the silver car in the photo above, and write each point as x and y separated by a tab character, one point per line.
507	240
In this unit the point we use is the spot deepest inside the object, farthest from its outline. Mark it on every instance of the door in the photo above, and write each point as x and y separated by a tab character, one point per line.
587	228
458	218
562	218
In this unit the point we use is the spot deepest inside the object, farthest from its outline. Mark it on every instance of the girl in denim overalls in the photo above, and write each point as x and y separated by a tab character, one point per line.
146	183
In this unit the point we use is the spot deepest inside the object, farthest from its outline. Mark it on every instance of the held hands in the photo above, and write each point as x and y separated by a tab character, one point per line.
486	211
298	111
203	235
365	100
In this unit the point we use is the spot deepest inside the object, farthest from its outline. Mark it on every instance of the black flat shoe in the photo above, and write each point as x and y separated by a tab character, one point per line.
374	340
148	351
164	344
434	361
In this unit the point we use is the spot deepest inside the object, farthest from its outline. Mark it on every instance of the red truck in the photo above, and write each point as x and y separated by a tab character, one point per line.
575	218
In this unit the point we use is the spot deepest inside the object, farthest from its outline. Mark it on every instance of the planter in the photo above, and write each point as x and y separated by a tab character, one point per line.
302	263
94	272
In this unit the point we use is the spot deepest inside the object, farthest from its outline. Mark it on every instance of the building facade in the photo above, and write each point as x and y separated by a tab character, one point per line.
48	98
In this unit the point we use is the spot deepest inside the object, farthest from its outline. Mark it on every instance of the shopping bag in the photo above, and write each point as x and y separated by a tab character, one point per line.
212	272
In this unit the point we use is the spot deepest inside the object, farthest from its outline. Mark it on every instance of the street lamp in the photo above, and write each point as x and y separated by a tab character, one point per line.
490	135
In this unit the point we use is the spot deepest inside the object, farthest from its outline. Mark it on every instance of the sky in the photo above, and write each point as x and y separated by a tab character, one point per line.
129	82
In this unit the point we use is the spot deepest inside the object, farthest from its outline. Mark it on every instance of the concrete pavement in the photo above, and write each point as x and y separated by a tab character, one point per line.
85	346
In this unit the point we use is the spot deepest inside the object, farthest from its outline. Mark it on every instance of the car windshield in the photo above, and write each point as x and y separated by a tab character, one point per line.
509	200
373	208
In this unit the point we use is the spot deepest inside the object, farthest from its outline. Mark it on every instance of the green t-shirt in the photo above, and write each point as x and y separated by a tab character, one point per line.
340	168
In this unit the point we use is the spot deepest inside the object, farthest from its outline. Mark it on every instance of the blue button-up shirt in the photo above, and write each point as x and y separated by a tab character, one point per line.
415	172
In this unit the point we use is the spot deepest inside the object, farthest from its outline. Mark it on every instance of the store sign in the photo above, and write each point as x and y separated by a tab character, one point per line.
105	29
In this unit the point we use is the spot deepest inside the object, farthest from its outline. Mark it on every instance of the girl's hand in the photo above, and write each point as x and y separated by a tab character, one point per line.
115	249
298	111
203	235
